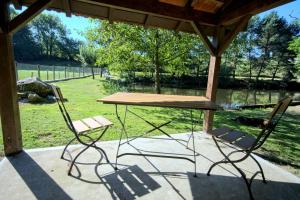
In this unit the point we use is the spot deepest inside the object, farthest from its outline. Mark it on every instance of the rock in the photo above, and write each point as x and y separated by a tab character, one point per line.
35	98
34	85
22	95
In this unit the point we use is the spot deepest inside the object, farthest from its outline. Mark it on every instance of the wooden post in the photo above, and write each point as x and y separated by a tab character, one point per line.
65	72
53	72
17	74
47	74
9	108
211	90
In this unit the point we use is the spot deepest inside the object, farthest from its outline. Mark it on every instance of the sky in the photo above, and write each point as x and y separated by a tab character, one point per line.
76	24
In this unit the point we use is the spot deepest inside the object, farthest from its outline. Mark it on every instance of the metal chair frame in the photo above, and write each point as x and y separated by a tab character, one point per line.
60	101
268	128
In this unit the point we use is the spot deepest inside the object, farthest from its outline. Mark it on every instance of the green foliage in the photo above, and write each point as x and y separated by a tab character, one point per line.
87	55
45	37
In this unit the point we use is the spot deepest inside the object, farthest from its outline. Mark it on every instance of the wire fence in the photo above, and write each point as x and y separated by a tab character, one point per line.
52	73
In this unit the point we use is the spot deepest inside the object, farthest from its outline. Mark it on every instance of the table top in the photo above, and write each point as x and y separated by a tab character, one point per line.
160	100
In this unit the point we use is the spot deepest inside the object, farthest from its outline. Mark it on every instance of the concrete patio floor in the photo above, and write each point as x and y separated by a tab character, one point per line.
41	174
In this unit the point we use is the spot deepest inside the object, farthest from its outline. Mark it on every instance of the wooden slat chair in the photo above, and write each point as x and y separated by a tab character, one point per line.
81	128
245	143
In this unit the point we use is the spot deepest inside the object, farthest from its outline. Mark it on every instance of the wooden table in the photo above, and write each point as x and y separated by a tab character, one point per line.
158	100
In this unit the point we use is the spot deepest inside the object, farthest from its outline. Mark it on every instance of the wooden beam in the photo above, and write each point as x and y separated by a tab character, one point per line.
232	34
212	80
22	19
156	8
204	38
9	108
242	8
68	8
211	90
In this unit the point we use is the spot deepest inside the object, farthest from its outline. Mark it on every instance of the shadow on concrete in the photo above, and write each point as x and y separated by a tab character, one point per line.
130	183
37	180
229	187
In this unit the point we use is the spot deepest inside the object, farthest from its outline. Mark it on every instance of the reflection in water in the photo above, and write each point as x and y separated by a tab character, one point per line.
226	96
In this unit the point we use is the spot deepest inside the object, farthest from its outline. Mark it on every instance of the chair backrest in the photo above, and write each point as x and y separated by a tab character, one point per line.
60	101
272	121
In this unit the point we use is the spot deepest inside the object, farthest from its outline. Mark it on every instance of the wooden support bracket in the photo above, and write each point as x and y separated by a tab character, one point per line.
208	44
232	34
22	19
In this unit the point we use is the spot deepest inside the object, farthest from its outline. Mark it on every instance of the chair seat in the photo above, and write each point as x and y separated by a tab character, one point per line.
92	123
237	138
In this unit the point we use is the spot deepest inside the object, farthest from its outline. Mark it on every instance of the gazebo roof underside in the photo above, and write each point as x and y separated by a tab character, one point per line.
179	15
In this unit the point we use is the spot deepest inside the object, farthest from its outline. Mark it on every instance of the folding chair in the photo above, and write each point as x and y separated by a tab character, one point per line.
245	143
81	128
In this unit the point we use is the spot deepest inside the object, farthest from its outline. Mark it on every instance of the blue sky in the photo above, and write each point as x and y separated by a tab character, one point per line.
78	24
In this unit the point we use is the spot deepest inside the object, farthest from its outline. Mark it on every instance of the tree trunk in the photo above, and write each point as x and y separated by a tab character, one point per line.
93	74
275	71
157	66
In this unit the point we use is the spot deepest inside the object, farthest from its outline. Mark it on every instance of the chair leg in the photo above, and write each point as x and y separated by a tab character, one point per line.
260	168
74	160
215	164
62	155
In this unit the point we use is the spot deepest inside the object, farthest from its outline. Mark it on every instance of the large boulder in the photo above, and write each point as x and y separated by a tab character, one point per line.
34	85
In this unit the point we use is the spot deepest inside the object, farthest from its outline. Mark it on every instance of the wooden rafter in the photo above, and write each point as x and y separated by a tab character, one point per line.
23	18
204	38
232	34
68	8
242	8
155	7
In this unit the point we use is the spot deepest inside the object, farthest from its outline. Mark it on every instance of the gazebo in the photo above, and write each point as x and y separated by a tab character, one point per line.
217	22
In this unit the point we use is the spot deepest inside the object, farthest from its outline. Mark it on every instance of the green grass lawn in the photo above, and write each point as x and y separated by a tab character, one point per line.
43	125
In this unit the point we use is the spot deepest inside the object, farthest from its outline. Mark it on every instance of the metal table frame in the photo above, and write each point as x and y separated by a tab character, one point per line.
159	128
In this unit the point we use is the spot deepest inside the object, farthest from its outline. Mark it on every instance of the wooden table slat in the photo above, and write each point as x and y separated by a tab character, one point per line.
160	100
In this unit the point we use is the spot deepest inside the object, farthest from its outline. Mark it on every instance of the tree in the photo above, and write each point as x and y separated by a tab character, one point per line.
54	37
25	46
127	48
88	57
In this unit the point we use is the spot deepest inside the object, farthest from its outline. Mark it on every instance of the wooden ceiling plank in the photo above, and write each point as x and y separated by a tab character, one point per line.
154	7
232	34
204	38
242	8
22	19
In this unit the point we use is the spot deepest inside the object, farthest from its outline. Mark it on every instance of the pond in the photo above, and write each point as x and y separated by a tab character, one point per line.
226	96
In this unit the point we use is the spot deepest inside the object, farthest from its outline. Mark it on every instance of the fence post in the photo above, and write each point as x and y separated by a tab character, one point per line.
58	75
47	74
17	74
39	71
79	71
83	71
73	71
65	72
53	72
31	74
